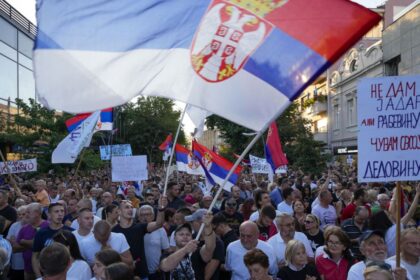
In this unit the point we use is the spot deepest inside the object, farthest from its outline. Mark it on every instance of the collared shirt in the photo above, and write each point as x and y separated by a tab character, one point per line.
330	269
279	245
354	232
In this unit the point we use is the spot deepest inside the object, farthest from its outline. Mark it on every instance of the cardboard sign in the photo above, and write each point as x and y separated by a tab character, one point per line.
19	166
259	165
129	168
389	129
117	150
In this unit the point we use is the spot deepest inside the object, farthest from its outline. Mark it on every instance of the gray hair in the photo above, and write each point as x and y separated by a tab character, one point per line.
35	206
144	207
281	216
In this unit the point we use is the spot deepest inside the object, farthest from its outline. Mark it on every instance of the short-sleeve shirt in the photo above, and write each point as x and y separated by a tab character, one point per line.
280	246
326	216
235	259
90	246
199	265
135	238
44	236
287	272
154	243
17	258
331	270
28	232
316	240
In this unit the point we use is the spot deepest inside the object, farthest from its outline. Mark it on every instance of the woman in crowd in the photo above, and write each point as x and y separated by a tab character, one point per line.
102	259
313	232
110	214
79	268
257	263
299	215
336	259
297	267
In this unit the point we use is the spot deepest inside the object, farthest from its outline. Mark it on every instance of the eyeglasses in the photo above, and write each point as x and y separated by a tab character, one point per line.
332	243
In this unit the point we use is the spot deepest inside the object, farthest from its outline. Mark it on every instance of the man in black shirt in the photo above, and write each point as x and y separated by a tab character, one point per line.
7	211
233	217
173	193
134	233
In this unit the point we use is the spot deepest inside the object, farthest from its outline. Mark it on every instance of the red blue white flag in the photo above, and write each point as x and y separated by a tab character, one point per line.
167	143
105	121
217	166
245	60
273	149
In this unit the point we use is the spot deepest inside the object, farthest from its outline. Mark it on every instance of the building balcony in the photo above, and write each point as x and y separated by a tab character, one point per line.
319	107
321	136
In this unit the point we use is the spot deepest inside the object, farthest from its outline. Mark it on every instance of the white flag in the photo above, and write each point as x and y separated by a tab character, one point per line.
70	147
198	117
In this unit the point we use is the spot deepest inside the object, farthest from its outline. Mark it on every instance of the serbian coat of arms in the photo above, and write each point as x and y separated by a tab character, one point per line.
228	34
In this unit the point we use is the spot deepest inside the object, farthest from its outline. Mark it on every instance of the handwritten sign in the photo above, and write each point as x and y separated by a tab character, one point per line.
259	165
389	129
19	166
117	150
129	168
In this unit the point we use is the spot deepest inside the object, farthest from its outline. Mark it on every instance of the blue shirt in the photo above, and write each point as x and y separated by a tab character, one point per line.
5	244
276	196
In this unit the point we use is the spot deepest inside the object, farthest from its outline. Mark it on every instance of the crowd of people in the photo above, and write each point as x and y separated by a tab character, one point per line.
299	227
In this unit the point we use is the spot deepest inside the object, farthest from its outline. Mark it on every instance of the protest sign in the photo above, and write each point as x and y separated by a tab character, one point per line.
129	168
117	150
389	129
19	166
259	165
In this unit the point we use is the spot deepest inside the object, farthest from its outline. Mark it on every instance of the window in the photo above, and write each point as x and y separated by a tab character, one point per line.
354	65
391	66
25	61
8	78
336	113
7	51
26	84
8	33
25	44
351	114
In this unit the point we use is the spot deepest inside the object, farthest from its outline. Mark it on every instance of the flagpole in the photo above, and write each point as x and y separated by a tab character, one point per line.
173	149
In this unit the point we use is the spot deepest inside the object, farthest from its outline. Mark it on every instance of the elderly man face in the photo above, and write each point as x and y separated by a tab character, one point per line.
146	215
374	248
106	198
286	226
248	234
383	200
411	244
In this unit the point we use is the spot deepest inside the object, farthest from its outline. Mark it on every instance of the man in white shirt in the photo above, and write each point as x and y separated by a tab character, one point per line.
325	212
154	242
286	205
85	221
410	253
103	238
373	247
286	226
84	203
248	232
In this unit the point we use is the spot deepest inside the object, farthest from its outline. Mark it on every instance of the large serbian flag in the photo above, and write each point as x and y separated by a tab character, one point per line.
245	60
104	123
217	167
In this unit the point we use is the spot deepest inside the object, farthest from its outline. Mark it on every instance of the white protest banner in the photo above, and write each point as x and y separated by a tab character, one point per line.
19	166
259	165
129	168
117	150
389	129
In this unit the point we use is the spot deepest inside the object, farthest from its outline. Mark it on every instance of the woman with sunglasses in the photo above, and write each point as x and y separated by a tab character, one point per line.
79	268
313	232
336	259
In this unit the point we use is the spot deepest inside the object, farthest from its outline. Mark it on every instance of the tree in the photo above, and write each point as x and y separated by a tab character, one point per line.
145	124
302	151
36	131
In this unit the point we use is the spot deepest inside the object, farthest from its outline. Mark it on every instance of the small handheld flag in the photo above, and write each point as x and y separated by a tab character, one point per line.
273	150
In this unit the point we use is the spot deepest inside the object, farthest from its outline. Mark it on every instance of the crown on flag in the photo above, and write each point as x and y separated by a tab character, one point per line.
260	7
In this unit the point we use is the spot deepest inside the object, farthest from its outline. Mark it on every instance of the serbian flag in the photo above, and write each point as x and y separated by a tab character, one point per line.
104	123
273	150
167	144
217	166
243	60
187	162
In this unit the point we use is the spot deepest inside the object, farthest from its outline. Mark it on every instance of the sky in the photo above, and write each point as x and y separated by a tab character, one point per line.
27	8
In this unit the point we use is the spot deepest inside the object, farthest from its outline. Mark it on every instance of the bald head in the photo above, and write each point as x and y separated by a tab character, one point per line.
249	232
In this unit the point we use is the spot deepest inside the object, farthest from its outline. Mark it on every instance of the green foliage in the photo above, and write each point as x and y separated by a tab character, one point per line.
145	124
302	151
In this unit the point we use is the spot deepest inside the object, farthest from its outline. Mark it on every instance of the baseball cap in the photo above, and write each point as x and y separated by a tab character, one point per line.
184	225
197	215
369	233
